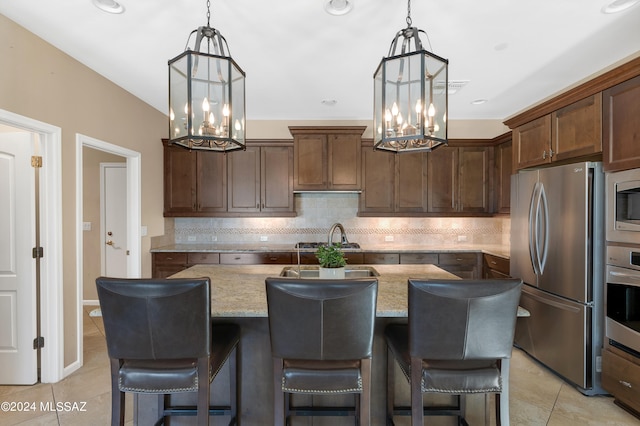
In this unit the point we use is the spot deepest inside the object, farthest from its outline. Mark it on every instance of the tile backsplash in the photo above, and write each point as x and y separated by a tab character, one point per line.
316	212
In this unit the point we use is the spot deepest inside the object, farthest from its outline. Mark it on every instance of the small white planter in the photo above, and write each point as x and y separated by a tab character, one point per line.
332	273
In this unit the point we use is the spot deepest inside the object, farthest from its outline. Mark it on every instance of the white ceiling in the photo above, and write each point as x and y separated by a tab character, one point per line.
513	52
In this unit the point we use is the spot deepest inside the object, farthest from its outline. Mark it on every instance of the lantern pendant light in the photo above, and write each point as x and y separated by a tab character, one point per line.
410	95
207	95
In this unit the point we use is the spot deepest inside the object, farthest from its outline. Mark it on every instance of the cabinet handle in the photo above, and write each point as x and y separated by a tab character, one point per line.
544	155
493	262
625	384
273	259
550	153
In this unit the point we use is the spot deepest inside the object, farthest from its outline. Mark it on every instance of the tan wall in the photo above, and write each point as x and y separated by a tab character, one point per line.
41	82
91	259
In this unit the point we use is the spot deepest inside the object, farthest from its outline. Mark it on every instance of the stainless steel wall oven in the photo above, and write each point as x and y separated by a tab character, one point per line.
622	323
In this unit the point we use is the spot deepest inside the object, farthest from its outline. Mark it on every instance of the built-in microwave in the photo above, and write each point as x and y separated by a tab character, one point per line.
623	206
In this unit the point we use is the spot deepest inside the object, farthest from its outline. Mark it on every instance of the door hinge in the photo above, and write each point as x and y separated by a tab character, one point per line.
36	161
38	342
37	252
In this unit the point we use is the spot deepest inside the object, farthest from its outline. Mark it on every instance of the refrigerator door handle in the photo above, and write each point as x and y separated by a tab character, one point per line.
533	210
544	235
532	228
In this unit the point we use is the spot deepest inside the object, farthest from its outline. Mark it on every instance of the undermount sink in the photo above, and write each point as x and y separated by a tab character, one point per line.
314	272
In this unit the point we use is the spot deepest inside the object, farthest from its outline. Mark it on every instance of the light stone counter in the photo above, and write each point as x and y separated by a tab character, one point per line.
239	290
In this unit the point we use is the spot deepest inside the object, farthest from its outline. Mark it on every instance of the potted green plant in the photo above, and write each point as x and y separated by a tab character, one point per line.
332	261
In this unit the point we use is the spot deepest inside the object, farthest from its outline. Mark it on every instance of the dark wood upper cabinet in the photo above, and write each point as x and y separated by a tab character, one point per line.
532	143
621	126
194	182
255	182
393	184
576	130
503	168
441	179
379	177
327	158
458	180
260	180
570	132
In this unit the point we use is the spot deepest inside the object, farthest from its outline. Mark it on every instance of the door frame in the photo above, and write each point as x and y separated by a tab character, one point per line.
51	312
134	229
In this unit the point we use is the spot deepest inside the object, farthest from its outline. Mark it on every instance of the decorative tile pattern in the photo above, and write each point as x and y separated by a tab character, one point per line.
316	214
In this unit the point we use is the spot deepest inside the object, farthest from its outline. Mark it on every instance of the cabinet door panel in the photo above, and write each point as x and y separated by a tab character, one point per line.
379	182
277	179
212	182
532	142
344	162
310	162
244	180
473	172
577	128
503	167
441	185
621	109
411	183
179	180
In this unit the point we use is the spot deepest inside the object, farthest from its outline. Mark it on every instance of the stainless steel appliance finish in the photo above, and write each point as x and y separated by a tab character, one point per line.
623	206
622	323
557	248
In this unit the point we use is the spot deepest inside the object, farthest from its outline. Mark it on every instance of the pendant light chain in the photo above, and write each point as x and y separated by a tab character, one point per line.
208	13
409	21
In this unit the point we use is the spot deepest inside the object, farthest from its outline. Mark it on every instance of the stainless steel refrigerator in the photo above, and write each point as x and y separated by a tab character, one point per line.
557	243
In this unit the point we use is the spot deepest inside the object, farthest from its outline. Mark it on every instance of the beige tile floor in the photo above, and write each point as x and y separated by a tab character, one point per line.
537	396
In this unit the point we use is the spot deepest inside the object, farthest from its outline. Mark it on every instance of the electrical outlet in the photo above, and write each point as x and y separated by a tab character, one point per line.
462	238
388	238
86	226
214	238
191	238
264	238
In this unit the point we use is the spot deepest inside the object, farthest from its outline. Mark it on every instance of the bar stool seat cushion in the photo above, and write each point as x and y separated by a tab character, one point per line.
444	376
309	376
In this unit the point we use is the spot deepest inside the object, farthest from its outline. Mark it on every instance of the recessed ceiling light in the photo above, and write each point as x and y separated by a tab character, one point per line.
618	6
479	102
110	6
338	7
329	102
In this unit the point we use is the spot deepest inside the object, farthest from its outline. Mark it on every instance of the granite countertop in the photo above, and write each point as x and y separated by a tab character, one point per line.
239	290
495	249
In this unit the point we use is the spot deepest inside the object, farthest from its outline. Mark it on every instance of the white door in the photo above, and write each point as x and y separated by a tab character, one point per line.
114	219
18	359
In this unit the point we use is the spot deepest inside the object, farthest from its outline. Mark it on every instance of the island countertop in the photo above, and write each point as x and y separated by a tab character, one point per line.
239	290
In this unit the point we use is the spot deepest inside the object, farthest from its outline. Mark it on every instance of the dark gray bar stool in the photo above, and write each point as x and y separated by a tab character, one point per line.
160	340
458	341
321	342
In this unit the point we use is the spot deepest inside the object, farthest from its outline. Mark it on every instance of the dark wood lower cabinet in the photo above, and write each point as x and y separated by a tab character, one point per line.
494	266
621	377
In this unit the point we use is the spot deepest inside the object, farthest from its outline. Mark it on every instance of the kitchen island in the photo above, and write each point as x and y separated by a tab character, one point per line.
238	295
